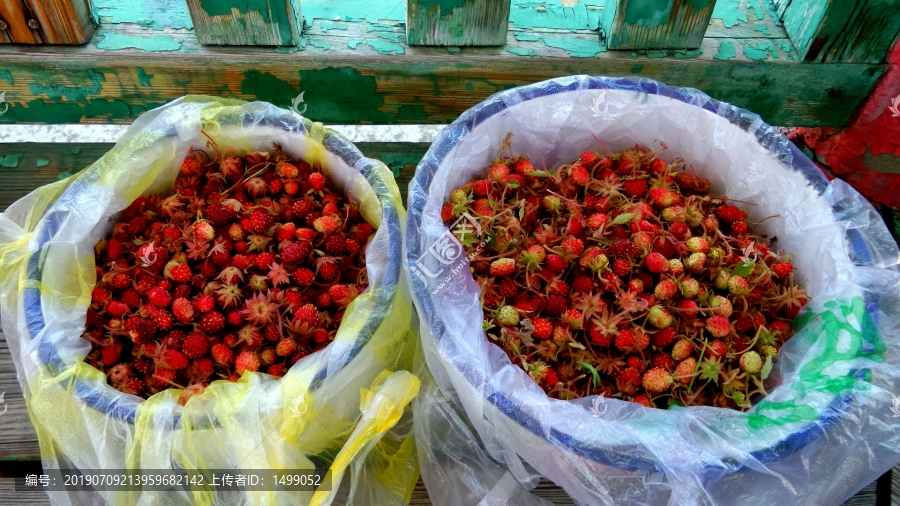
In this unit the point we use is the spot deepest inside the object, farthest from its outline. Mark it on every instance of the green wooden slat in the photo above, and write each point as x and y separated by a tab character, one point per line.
246	22
656	24
457	22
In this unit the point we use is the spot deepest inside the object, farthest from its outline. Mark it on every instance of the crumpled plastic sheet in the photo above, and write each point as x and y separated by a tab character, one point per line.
486	431
345	408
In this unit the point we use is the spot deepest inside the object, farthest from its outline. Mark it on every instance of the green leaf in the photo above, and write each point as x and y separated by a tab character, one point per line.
743	269
767	368
576	345
675	402
538	173
623	218
594	373
513	184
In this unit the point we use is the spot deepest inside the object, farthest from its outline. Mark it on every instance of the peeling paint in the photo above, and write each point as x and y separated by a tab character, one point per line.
328	25
143	77
577	48
393	37
525	36
726	51
4	74
368	10
760	51
154	43
636	69
687	53
319	44
729	11
763	29
757	6
521	51
70	93
537	13
42	162
152	14
382	46
395	162
446	6
10	161
63	175
380	28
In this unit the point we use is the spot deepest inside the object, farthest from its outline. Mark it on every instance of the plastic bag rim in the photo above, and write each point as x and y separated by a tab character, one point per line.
768	137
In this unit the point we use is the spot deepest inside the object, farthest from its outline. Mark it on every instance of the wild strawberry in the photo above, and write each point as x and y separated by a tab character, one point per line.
222	354
625	340
718	326
738	286
508	316
716	348
729	213
659	317
768	350
342	295
317	180
696	263
656	380
162	319
303	277
159	297
100	296
121	281
658	166
721	306
111	354
680	230
782	269
246	361
572	319
738	228
697	244
682	350
212	322
556	305
665	289
555	263
543	329
674	214
140	330
623	248
751	362
503	267
327	224
306	315
508	288
480	187
573	246
656	263
259	221
117	309
498	172
326	268
664	337
634	187
579	175
583	284
684	371
195	345
630	376
172	359
180	273
203	231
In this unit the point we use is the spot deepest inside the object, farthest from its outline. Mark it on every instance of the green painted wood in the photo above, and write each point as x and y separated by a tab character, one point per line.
246	22
826	31
656	24
457	22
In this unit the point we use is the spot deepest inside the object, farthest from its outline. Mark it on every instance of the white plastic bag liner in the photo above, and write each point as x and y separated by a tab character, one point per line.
342	408
829	425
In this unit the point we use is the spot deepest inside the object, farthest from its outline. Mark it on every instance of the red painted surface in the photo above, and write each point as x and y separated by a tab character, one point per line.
875	130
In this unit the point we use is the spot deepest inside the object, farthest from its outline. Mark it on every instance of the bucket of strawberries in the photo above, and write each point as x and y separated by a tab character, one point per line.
649	296
219	291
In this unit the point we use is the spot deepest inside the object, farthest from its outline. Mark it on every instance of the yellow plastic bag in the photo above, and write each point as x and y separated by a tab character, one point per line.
344	408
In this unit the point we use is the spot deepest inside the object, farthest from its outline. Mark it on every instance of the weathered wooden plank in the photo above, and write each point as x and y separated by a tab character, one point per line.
839	31
46	22
28	165
660	24
457	22
18	440
246	22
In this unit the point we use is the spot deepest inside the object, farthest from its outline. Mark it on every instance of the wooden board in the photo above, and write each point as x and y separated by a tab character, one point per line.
362	71
46	22
457	22
246	22
861	31
672	24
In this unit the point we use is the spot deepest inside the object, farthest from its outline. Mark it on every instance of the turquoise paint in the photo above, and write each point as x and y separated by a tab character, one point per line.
468	86
76	151
688	53
372	11
70	93
453	49
446	6
770	9
729	11
763	29
521	51
328	25
278	15
10	161
726	51
143	77
757	7
636	69
577	48
525	36
393	37
649	13
4	74
63	175
154	43
42	162
380	28
760	51
657	54
382	46
319	44
551	14
152	14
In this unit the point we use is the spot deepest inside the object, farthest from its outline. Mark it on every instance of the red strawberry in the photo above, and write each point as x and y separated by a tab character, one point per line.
222	354
625	340
503	267
327	224
172	359
303	277
634	187
524	167
729	213
656	263
183	310
246	361
117	309
140	330
718	326
782	269
317	181
259	221
543	329
195	345
162	319
212	322
180	273
662	361
159	297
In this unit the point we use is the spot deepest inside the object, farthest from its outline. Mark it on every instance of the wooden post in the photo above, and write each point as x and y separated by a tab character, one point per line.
656	24
246	22
46	22
457	22
841	31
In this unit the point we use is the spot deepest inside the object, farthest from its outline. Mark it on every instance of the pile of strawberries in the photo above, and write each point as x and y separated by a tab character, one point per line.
248	266
621	275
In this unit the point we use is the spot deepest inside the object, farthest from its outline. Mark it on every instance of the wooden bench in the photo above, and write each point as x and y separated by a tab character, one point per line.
353	66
